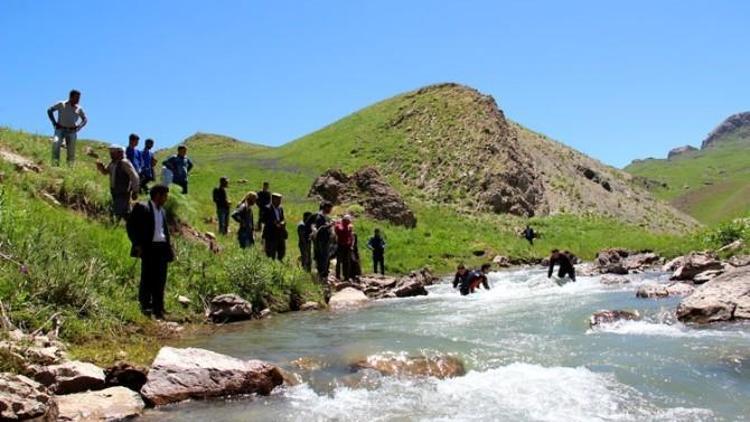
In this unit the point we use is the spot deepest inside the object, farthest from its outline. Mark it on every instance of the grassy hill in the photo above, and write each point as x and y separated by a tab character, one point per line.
711	184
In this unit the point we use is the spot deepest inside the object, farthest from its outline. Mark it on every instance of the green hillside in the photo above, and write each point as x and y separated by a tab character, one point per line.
712	184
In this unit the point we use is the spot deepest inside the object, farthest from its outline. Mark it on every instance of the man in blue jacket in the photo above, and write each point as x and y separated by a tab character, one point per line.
147	165
180	165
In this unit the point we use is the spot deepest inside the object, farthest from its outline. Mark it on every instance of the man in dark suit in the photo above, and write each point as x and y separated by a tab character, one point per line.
274	229
149	234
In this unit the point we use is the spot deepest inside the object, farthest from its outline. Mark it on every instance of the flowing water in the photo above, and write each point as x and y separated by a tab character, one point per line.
528	349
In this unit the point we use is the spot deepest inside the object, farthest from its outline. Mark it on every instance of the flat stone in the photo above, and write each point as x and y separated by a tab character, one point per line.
348	298
112	404
70	377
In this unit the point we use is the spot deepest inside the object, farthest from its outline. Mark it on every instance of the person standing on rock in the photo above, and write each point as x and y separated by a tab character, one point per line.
377	245
180	166
344	231
274	229
124	183
66	126
264	200
222	205
529	234
564	261
132	153
244	216
320	234
149	234
148	162
303	236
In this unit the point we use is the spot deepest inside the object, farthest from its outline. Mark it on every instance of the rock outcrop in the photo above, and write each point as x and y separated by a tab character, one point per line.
70	377
367	188
112	404
23	399
621	261
610	316
182	374
230	307
724	298
731	124
676	152
439	366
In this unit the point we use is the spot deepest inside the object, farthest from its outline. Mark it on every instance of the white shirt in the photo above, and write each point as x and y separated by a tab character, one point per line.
68	114
159	219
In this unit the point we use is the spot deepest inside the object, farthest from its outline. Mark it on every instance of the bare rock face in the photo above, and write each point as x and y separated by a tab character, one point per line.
112	404
731	124
694	264
676	152
413	366
348	297
22	399
182	374
367	188
70	377
725	298
230	307
123	374
609	316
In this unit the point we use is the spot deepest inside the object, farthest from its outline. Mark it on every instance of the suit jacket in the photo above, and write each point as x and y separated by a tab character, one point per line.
140	227
271	222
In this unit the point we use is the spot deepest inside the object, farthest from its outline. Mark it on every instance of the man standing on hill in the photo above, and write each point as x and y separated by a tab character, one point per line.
303	236
123	181
274	229
148	161
222	204
344	243
320	234
244	216
66	126
529	234
132	153
564	261
264	200
149	234
377	245
180	165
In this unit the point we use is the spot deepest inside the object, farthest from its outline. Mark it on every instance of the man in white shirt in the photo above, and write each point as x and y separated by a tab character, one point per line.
149	234
66	126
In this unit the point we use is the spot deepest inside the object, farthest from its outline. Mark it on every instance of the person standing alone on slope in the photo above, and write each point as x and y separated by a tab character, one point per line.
66	126
377	245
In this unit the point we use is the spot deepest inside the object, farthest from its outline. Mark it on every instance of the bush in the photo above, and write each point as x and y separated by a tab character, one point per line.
727	233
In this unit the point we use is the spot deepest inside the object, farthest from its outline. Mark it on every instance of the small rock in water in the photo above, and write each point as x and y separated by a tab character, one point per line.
265	313
609	316
413	366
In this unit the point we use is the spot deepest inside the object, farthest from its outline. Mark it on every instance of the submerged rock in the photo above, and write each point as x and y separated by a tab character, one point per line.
23	399
724	298
230	307
70	377
348	297
609	316
413	366
112	404
182	374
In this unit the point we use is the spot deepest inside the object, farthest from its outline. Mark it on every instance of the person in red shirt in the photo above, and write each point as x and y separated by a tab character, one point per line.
344	230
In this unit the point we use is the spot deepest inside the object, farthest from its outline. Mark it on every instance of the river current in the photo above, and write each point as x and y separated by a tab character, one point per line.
527	347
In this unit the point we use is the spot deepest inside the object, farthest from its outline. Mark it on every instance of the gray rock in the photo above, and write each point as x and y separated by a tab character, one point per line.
609	316
439	366
182	374
70	377
707	276
112	404
348	298
309	306
610	279
694	264
230	307
657	291
24	399
725	298
739	260
123	374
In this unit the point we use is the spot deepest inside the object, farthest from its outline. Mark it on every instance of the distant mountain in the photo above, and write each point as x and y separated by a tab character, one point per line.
711	184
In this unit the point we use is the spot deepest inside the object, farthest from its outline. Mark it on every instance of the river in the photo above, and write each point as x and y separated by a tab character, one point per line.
528	349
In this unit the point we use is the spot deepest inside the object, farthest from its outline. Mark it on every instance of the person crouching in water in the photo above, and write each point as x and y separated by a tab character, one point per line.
244	215
565	262
471	281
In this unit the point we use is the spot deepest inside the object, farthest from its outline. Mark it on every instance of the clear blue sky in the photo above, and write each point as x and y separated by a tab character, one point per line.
616	80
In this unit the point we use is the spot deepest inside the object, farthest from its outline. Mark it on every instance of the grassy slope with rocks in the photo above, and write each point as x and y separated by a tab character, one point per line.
712	184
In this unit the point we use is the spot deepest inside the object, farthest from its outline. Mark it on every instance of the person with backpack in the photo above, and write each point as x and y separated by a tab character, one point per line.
124	183
222	205
180	166
303	236
244	216
377	245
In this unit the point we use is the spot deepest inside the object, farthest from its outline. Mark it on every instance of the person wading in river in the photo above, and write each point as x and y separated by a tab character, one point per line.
564	261
474	279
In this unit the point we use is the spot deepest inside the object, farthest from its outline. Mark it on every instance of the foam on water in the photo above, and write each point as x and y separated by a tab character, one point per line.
514	392
647	328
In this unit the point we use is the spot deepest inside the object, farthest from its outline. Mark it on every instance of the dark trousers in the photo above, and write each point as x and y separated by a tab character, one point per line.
222	214
245	237
183	184
145	179
562	272
304	254
343	262
322	260
154	262
275	248
378	258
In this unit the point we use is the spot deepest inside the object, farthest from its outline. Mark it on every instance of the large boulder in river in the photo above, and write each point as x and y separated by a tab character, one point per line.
609	316
70	377
112	404
348	297
656	291
413	366
182	374
694	264
724	298
640	261
367	188
23	399
230	307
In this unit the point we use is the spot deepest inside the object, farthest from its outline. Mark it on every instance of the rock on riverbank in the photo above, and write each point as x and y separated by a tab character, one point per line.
724	298
22	398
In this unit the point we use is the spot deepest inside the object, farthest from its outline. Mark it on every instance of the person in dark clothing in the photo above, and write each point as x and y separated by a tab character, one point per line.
461	273
264	201
320	234
344	241
149	234
474	279
303	236
529	235
564	260
222	205
180	166
244	216
147	165
274	229
377	245
355	269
